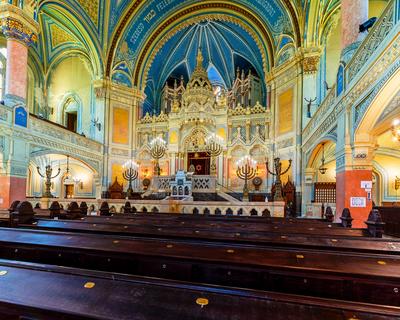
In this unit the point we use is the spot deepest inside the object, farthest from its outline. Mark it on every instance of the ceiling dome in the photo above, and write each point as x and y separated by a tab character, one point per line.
225	46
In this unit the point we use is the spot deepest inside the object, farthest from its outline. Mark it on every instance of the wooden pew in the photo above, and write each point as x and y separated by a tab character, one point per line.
49	292
241	235
336	275
228	226
391	218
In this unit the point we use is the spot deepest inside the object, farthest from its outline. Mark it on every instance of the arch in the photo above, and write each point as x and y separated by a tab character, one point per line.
239	14
85	33
155	210
195	211
206	211
316	148
71	102
144	209
247	13
43	153
376	117
229	212
217	212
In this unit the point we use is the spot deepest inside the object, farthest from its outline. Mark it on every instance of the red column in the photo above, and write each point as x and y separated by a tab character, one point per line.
348	185
354	13
18	30
17	68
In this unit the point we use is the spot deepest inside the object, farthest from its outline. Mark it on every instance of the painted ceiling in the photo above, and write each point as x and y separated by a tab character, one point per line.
225	47
114	35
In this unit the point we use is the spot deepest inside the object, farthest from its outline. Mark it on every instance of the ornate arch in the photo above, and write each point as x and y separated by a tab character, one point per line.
194	136
154	45
246	13
69	18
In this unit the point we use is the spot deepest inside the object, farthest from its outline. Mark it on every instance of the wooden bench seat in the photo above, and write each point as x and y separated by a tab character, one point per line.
339	275
331	241
49	292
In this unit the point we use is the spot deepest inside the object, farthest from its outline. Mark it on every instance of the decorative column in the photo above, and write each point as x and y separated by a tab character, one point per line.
354	182
353	171
20	30
310	102
354	13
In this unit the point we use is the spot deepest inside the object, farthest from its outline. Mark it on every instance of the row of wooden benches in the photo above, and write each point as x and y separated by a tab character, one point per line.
285	256
375	226
47	292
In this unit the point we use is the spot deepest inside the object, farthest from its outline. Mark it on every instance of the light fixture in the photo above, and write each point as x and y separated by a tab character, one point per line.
396	130
78	181
322	168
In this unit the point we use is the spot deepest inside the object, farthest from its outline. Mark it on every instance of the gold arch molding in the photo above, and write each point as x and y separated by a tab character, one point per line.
197	9
141	71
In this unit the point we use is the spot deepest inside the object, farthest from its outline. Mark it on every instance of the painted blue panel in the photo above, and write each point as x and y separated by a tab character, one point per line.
284	41
21	117
340	80
121	78
122	67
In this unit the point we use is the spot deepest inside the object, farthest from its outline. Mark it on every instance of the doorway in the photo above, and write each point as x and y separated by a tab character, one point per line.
72	121
200	162
69	191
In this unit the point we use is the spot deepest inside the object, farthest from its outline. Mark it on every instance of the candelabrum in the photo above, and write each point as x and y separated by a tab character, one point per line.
278	173
48	175
246	170
214	149
130	174
158	148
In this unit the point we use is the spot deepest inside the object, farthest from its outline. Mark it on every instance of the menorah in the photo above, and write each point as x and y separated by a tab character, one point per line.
130	174
246	170
278	173
157	151
48	176
214	149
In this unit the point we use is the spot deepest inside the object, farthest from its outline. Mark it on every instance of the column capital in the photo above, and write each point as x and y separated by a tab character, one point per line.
310	58
16	24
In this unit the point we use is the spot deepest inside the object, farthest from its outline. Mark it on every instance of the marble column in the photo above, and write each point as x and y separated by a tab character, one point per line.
20	31
354	13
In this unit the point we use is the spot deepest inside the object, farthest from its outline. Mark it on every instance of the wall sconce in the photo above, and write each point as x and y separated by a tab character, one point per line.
78	181
97	124
397	183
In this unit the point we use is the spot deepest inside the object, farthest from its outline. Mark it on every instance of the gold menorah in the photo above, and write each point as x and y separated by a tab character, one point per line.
214	149
157	151
130	174
247	170
48	176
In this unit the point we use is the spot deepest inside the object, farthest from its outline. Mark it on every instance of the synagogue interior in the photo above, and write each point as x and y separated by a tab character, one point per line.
183	159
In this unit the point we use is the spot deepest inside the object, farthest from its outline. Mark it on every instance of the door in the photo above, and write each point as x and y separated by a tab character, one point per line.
200	161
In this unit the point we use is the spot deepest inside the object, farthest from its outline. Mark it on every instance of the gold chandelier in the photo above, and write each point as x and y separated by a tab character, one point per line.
396	130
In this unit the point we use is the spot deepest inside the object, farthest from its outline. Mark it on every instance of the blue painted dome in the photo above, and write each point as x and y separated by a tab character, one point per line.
225	47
